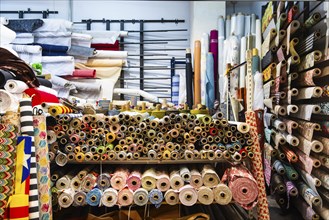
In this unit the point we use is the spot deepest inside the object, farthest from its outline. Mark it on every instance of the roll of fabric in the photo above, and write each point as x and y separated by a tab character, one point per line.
79	199
64	182
109	197
196	179
188	195
323	176
134	180
311	197
210	81
104	181
205	195
163	181
304	209
61	159
90	73
189	79
291	172
213	48
243	186
8	102
93	197
27	129
119	179
4	77
149	179
203	68
53	50
81	39
278	166
66	198
24	38
209	176
43	168
89	182
175	89
103	46
75	183
171	197
222	194
141	197
277	184
80	51
24	25
39	97
155	197
8	137
176	181
185	173
58	65
125	197
110	54
197	73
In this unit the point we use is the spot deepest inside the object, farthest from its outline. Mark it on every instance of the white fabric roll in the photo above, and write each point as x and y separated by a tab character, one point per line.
54	38
258	35
221	27
24	38
58	65
227	27
258	92
233	25
15	86
66	198
141	197
240	26
243	49
182	87
83	40
8	102
4	21
185	173
108	37
205	195
247	22
203	68
171	197
188	195
196	179
7	36
109	197
29	53
110	54
55	24
253	24
176	181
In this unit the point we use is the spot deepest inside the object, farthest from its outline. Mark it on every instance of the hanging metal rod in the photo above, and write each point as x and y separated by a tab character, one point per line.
130	21
157	78
139	43
168	30
164	49
21	13
146	55
167	40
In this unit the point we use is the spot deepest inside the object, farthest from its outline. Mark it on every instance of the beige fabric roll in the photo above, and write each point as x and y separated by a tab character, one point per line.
176	181
149	179
205	195
171	197
325	143
308	93
222	194
209	176
306	146
196	179
163	181
119	178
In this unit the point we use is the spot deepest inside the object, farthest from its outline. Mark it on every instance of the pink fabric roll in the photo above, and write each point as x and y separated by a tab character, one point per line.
134	180
90	73
125	197
213	48
163	181
119	178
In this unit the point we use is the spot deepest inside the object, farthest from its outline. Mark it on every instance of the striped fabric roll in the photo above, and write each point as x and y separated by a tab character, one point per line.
175	89
27	129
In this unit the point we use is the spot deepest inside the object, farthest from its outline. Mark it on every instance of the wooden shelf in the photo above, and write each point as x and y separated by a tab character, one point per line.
147	161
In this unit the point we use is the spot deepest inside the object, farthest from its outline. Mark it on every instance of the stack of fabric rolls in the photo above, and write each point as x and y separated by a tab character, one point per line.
295	95
138	136
123	186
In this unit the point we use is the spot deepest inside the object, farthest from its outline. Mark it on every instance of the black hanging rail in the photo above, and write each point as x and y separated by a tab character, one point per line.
156	78
21	13
138	43
131	21
166	49
167	40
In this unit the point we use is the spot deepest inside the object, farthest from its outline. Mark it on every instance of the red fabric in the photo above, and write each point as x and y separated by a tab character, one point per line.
213	131
84	73
114	46
18	212
39	97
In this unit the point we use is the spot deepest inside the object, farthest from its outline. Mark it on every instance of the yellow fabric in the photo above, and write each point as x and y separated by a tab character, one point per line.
19	186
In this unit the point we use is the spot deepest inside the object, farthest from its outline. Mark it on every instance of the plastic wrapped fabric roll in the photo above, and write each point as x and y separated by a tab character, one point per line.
104	181
290	172
149	179
15	86
141	197
125	197
185	173
278	166
241	126
75	183
88	182
243	186
209	176
109	197
79	199
8	102
306	146
196	179
203	68
197	73
305	111
134	180
308	93
176	181
171	197
66	198
205	195
210	81
222	194
93	197
119	179
277	184
155	197
188	195
163	181
304	209
64	182
323	176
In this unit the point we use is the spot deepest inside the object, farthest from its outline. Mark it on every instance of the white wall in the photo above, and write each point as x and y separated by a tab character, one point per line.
204	16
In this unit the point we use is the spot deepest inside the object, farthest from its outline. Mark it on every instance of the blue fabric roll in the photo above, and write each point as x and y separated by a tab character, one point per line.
53	50
24	25
210	81
53	53
156	197
94	197
175	89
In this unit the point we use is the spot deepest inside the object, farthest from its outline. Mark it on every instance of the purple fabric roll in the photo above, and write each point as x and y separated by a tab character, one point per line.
213	48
